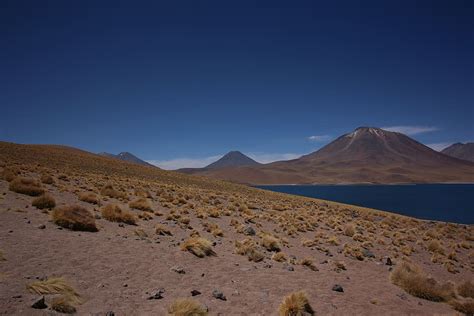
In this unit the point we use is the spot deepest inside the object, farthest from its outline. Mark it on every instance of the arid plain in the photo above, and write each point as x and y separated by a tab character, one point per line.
97	236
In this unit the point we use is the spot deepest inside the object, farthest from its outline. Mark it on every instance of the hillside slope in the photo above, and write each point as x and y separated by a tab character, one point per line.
460	151
126	239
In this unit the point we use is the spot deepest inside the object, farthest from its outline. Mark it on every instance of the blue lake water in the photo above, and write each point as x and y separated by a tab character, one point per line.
442	202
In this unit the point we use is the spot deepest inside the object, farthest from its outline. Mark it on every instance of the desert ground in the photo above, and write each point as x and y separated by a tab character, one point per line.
97	236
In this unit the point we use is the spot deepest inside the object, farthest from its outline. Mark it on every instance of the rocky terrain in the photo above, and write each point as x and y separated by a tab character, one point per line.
85	234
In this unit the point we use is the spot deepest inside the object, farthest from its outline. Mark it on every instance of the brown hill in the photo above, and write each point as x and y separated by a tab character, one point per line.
461	151
366	155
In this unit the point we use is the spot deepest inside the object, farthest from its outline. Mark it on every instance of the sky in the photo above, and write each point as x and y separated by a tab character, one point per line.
180	83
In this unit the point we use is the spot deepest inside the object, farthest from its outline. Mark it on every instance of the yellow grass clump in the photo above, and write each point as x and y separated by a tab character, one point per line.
113	213
74	217
26	186
110	191
307	262
9	174
414	281
186	307
55	285
89	197
270	243
279	257
162	230
349	230
465	306
248	247
466	289
200	247
141	204
295	304
63	304
47	179
44	201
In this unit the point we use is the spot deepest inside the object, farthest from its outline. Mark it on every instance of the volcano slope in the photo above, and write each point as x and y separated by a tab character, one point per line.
94	235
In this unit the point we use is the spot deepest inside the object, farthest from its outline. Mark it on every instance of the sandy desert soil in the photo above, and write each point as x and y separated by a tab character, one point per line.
118	268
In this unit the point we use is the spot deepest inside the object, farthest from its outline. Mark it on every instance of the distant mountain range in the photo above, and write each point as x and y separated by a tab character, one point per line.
232	159
126	156
461	151
366	155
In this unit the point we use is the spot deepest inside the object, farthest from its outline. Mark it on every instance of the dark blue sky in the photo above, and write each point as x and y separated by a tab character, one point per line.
194	79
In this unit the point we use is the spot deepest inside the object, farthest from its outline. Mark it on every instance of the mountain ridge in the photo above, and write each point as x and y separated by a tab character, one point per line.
126	156
463	151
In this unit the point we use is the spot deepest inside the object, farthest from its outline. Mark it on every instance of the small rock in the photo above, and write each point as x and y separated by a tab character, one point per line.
249	231
97	216
17	296
125	285
158	295
389	261
178	269
267	265
195	293
288	267
337	288
110	313
39	304
367	253
121	225
219	295
42	226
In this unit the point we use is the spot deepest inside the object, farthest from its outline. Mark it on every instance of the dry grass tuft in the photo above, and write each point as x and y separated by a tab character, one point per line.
248	247
47	179
295	304
89	197
63	305
186	307
466	289
270	243
415	282
55	286
108	190
465	306
44	201
307	262
2	256
9	174
141	204
200	247
162	230
74	217
26	186
279	257
349	230
113	213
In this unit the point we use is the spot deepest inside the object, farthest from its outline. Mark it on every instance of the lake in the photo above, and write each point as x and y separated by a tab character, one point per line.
442	202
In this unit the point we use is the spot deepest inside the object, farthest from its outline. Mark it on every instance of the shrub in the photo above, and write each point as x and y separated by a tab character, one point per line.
200	247
162	230
141	204
142	193
88	197
307	262
44	201
279	257
415	282
186	307
435	246
26	186
47	179
63	304
74	217
9	174
349	230
55	285
113	213
465	306
466	289
248	247
271	243
295	304
108	190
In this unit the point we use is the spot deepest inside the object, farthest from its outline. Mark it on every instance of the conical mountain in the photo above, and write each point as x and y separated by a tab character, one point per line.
461	151
233	159
126	156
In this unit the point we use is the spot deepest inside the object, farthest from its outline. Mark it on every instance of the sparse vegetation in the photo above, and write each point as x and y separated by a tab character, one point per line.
141	204
26	186
89	197
466	289
110	191
47	179
74	217
415	282
186	307
295	304
55	285
200	247
44	201
162	230
271	243
113	213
